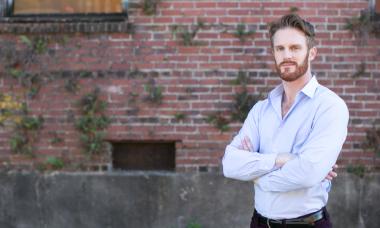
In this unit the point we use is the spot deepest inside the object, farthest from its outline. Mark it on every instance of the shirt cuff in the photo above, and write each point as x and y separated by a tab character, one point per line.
268	161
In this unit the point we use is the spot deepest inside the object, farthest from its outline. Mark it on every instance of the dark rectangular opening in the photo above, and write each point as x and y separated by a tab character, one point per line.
143	155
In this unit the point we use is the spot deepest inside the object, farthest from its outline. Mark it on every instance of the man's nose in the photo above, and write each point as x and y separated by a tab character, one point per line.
287	54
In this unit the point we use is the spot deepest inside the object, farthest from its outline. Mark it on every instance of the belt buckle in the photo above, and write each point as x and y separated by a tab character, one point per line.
314	217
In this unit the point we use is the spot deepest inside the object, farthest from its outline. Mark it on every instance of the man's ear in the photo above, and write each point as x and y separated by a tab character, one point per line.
312	53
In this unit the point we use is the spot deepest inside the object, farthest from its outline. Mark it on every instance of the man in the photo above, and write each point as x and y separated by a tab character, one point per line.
290	141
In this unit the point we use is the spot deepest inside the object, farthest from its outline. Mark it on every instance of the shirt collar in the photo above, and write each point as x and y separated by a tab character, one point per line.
309	89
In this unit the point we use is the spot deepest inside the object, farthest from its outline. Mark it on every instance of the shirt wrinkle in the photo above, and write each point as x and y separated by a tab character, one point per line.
310	130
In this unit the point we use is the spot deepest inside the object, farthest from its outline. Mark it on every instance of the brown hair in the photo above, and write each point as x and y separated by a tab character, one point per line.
294	21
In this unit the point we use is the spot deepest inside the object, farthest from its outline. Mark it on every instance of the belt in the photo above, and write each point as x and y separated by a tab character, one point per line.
309	219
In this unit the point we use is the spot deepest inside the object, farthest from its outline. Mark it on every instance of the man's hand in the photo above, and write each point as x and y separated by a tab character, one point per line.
332	174
283	158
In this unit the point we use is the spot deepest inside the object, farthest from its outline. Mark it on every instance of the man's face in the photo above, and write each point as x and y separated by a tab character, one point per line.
291	54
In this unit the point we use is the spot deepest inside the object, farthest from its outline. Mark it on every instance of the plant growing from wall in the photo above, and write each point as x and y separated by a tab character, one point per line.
56	139
132	98
358	170
25	127
179	116
72	85
218	121
149	7
362	27
361	70
31	82
243	101
8	108
38	44
154	92
24	65
187	36
241	79
372	140
243	104
51	163
242	32
194	225
25	134
92	123
293	9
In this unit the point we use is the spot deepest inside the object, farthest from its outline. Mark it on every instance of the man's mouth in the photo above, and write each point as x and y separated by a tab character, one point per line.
287	64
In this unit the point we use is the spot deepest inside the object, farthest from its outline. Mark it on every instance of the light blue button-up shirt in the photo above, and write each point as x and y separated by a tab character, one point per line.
314	130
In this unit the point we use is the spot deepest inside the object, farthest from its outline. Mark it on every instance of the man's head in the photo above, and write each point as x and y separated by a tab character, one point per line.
293	45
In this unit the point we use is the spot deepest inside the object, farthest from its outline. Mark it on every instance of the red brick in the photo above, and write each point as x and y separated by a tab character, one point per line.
181	5
239	12
171	12
166	20
227	4
215	12
194	13
205	5
272	4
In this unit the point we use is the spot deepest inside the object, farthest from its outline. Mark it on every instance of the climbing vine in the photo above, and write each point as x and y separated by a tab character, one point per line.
92	123
243	100
363	27
372	140
242	32
187	35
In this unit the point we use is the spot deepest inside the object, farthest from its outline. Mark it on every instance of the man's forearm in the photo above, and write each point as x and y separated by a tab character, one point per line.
245	165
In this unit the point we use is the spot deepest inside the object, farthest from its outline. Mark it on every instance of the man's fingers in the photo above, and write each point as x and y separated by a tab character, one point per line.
249	143
335	166
244	144
331	175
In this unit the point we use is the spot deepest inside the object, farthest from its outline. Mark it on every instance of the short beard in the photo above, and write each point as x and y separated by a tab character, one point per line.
299	71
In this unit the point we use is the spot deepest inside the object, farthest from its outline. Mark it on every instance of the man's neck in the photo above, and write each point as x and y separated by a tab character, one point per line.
291	89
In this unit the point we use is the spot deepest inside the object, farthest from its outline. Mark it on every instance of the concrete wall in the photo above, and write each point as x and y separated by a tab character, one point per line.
167	200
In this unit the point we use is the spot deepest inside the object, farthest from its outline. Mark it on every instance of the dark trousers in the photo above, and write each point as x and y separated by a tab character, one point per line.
322	223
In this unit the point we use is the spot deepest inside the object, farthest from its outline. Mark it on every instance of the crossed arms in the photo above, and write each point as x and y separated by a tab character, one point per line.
295	169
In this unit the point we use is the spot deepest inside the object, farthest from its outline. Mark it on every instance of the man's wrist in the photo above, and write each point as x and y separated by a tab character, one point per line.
283	158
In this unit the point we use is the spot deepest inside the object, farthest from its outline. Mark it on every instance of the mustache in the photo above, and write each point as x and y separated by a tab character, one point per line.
288	62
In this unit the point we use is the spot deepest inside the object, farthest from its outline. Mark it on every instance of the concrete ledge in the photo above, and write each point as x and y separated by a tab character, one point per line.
139	200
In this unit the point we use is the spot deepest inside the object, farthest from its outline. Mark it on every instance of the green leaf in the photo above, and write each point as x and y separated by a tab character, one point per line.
26	41
55	162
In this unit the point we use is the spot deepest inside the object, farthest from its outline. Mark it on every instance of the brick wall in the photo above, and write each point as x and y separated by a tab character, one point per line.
121	58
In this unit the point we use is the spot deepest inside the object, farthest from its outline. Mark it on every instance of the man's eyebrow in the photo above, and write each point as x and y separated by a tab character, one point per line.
291	45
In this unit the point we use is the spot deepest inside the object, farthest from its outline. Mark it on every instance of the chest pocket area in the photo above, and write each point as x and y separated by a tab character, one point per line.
301	137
